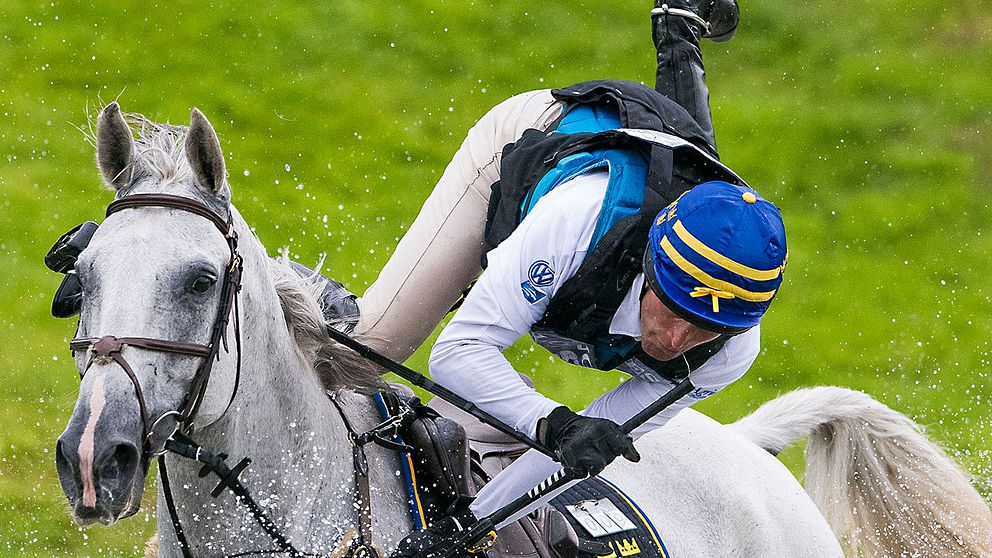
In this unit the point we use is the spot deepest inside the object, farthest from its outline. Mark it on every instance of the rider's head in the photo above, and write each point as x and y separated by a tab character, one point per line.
714	262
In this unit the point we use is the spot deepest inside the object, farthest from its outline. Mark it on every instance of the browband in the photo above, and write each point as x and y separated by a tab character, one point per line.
174	202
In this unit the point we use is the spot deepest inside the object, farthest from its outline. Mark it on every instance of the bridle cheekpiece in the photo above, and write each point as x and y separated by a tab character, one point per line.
109	348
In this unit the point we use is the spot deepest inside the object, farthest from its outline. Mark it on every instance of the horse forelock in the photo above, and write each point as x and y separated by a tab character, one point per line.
160	163
335	365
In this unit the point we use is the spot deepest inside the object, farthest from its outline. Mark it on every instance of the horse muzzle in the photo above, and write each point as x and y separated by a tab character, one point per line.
102	473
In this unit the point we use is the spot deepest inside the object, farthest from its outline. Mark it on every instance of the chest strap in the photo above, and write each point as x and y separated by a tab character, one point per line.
382	435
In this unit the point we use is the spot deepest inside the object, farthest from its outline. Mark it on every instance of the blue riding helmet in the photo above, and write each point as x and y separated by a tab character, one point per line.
716	255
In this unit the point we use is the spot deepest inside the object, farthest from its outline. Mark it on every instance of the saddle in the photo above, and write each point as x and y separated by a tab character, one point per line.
455	455
544	533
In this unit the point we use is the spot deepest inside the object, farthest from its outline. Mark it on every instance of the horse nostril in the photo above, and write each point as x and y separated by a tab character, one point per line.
61	459
119	467
68	470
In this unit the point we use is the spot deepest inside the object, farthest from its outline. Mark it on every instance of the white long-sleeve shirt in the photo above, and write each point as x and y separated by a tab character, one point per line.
524	273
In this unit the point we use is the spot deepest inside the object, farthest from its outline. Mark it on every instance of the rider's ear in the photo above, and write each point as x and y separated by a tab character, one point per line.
204	153
114	146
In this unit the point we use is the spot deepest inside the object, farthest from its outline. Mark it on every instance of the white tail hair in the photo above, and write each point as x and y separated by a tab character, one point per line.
884	488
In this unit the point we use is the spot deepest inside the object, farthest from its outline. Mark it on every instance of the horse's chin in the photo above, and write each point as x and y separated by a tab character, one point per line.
84	515
127	512
107	511
102	515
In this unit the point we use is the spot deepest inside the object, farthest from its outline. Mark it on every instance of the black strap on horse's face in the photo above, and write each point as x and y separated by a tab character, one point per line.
109	348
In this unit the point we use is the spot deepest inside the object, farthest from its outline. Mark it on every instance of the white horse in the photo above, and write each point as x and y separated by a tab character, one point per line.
876	486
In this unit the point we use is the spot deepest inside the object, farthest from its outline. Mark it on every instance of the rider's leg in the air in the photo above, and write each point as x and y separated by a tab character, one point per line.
681	78
441	253
438	257
677	29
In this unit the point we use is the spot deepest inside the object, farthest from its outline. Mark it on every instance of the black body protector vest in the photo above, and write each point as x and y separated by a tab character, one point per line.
576	323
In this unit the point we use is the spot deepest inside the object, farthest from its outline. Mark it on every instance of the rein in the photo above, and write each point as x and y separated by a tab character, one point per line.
358	547
175	438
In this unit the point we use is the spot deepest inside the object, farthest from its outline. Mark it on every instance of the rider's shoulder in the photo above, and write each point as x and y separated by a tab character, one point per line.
573	203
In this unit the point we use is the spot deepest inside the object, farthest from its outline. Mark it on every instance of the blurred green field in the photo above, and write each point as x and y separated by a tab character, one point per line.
870	125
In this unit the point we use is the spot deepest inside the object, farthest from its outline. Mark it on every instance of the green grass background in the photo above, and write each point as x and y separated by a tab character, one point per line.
868	123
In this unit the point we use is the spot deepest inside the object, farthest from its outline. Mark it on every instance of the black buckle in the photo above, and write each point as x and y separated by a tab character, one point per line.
62	259
64	253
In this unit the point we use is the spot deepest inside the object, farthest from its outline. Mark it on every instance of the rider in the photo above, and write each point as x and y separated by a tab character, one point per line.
635	251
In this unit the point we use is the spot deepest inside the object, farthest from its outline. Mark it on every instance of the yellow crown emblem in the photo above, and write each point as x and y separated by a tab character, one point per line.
623	547
627	547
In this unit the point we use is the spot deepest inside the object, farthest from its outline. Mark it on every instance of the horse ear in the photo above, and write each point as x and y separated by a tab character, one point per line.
114	146
204	153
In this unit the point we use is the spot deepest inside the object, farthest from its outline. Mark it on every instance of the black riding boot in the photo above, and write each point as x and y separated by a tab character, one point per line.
340	306
718	19
677	27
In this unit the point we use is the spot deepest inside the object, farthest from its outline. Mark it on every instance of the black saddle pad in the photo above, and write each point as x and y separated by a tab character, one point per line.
584	507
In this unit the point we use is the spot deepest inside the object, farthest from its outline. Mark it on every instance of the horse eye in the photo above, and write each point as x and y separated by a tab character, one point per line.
201	285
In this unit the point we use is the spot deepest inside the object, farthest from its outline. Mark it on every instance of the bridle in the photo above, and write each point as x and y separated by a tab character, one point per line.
175	437
110	348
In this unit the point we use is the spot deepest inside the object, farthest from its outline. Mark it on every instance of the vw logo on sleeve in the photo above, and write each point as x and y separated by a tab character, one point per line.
541	274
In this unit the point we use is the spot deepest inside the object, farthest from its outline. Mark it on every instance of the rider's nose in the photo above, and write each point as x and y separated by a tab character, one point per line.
677	337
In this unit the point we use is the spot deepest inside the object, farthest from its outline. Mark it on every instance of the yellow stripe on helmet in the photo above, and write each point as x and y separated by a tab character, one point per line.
710	281
723	261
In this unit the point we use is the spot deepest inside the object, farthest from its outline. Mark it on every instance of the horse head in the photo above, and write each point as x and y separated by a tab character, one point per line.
155	272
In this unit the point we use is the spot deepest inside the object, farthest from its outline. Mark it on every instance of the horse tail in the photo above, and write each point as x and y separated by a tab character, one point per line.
885	489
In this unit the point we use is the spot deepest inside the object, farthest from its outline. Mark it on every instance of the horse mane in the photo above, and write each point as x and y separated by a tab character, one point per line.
335	365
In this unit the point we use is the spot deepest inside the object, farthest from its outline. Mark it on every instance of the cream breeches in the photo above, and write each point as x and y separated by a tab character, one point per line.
440	255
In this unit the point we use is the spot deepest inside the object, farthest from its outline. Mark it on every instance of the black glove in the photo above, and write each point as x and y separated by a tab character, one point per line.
438	538
585	444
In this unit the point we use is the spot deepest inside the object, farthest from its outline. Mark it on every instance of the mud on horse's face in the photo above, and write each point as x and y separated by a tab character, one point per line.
149	272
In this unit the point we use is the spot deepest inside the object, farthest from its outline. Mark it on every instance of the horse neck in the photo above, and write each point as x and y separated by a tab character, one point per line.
278	393
281	419
282	395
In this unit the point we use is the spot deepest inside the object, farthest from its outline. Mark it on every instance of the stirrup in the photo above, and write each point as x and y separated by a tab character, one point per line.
665	10
482	547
